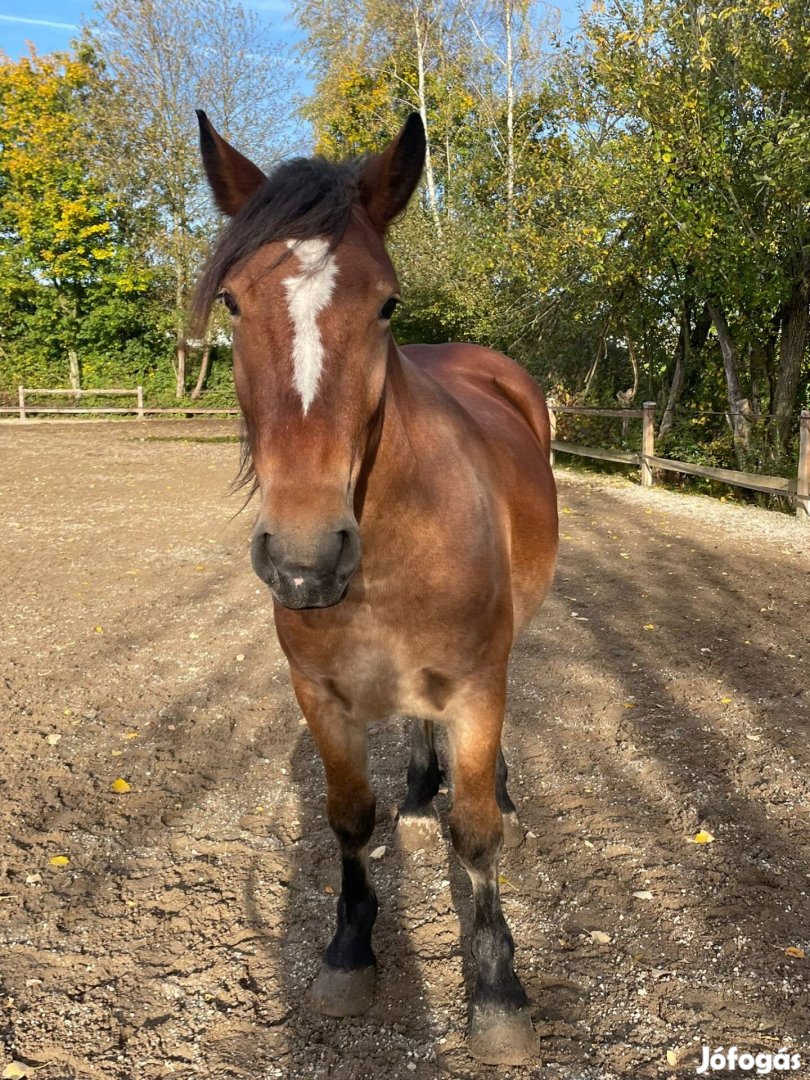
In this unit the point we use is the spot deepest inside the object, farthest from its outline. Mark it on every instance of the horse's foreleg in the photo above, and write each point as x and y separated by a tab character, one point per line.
417	824
345	983
501	1031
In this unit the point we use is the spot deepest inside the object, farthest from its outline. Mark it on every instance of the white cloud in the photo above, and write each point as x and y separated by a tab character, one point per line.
39	22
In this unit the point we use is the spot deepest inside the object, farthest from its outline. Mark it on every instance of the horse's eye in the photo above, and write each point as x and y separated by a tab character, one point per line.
229	302
388	308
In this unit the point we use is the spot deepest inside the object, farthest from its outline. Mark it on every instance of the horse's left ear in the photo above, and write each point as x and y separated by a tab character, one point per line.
388	179
232	178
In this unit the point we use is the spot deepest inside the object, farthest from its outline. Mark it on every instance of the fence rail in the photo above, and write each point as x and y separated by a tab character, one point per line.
25	409
798	490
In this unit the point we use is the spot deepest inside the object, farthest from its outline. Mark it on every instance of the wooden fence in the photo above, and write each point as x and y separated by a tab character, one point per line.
798	490
26	409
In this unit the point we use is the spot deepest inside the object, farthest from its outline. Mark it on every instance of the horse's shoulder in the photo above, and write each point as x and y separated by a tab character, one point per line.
466	370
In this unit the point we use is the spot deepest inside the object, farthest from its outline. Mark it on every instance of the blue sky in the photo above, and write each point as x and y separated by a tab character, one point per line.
50	24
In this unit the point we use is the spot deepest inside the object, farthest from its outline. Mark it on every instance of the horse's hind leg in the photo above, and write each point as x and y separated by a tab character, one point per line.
345	983
501	1031
512	832
417	824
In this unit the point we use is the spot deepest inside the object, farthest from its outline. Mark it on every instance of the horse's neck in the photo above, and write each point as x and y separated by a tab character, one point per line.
393	474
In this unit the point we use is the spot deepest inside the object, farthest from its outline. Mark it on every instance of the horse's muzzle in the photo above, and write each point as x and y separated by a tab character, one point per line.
315	577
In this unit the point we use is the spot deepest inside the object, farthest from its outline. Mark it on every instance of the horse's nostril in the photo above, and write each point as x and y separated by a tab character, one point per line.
349	554
262	555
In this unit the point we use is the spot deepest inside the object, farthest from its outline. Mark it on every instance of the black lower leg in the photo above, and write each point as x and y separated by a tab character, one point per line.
497	986
424	774
505	804
478	845
350	948
352	819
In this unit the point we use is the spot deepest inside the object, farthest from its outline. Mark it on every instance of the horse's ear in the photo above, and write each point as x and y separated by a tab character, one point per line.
388	179
232	178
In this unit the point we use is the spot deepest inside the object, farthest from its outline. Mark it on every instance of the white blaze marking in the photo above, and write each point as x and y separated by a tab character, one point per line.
308	293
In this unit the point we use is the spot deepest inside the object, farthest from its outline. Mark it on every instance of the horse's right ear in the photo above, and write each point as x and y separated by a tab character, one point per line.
388	179
232	178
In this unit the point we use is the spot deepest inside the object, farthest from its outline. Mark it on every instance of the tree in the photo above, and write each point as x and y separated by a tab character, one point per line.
167	60
69	237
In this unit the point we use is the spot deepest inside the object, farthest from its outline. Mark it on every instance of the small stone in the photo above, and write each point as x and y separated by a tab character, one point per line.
378	852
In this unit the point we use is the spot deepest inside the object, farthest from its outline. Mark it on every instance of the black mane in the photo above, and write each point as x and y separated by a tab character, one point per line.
301	199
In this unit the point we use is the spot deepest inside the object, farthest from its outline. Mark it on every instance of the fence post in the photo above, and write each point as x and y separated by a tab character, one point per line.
21	390
552	423
647	443
140	402
803	475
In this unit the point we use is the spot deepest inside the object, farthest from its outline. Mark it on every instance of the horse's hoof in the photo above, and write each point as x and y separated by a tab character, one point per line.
343	993
513	835
501	1038
415	831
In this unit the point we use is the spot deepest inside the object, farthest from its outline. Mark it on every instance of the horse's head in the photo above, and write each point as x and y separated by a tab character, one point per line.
303	270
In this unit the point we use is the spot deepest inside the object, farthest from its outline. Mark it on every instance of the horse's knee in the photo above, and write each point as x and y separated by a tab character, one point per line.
351	814
476	829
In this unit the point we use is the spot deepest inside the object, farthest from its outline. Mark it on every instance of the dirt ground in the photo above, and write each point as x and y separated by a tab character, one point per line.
663	690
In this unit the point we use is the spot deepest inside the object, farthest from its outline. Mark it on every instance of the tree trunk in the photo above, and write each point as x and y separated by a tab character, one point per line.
690	340
510	112
181	345
74	372
739	405
421	41
627	397
792	342
205	365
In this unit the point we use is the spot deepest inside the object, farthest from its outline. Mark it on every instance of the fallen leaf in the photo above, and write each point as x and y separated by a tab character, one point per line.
643	894
649	626
132	735
672	1058
99	629
702	837
503	880
33	879
59	860
378	852
795	950
726	700
16	1070
599	937
53	739
116	753
120	786
329	890
628	704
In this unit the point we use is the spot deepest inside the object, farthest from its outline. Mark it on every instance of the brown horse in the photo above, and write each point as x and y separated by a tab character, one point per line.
407	529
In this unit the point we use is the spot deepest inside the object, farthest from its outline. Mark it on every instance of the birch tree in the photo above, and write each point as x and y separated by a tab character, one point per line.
167	60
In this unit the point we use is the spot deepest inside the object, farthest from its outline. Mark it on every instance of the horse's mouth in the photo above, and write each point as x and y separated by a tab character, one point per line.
312	598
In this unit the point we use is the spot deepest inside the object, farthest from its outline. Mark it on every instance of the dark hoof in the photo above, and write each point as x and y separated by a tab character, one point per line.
342	993
502	1038
416	831
513	835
